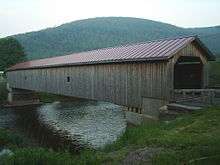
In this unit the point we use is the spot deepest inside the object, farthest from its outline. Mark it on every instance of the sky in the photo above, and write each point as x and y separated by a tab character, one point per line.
20	16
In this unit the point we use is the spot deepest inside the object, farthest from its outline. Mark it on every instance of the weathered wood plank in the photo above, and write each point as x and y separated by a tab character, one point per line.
124	83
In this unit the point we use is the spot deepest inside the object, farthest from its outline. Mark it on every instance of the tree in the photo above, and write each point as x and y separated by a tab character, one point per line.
11	52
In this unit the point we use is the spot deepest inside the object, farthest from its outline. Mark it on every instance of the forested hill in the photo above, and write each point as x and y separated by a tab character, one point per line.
105	32
210	36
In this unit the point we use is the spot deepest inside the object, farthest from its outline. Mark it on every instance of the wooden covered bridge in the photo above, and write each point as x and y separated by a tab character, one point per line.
140	76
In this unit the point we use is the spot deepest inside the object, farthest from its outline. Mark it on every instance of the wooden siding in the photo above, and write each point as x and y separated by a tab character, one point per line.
190	50
123	84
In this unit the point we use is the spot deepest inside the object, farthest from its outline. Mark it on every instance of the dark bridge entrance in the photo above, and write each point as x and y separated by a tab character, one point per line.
188	73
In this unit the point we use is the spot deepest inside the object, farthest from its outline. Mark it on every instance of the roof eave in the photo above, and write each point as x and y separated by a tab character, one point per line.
210	55
158	59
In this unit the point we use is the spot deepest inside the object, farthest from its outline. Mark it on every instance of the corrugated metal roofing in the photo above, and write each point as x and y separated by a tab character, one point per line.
152	50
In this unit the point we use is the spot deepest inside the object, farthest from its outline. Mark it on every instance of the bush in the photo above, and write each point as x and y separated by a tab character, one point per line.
214	73
37	156
3	91
9	138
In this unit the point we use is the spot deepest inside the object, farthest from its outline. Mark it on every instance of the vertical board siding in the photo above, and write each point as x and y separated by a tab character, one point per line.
123	84
190	50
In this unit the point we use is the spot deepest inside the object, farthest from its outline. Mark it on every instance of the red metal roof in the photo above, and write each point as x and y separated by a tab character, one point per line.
152	50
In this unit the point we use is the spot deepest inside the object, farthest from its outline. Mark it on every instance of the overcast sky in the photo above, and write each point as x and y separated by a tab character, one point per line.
19	16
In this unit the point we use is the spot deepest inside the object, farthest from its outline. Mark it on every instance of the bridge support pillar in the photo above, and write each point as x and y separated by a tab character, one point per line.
151	106
21	96
137	118
149	112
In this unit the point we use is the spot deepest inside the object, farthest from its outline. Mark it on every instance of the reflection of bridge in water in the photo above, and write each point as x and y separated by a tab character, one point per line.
141	77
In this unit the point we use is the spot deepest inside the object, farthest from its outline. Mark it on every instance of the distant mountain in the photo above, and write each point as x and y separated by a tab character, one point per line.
210	36
97	33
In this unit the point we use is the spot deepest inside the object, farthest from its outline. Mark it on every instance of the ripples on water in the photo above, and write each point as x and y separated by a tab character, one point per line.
92	123
89	123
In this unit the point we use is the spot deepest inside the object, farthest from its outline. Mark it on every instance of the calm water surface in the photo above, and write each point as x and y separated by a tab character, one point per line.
87	123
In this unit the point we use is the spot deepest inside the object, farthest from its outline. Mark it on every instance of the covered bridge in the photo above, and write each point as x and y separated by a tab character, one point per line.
141	75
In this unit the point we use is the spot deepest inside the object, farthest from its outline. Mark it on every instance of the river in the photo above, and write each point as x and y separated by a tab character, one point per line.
73	124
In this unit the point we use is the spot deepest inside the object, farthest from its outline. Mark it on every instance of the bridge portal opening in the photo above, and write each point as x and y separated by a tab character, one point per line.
188	73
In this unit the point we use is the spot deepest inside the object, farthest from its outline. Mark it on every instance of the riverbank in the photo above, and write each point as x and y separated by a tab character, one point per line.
189	139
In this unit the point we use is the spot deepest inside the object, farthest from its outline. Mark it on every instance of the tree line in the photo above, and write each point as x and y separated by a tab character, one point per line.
11	52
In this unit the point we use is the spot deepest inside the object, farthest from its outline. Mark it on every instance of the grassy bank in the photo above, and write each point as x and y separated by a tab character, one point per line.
189	139
9	139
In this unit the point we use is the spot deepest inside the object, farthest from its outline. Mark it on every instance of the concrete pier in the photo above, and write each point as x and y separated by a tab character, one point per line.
21	97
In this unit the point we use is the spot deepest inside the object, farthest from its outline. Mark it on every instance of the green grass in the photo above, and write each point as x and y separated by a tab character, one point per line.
8	138
29	156
190	139
48	98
